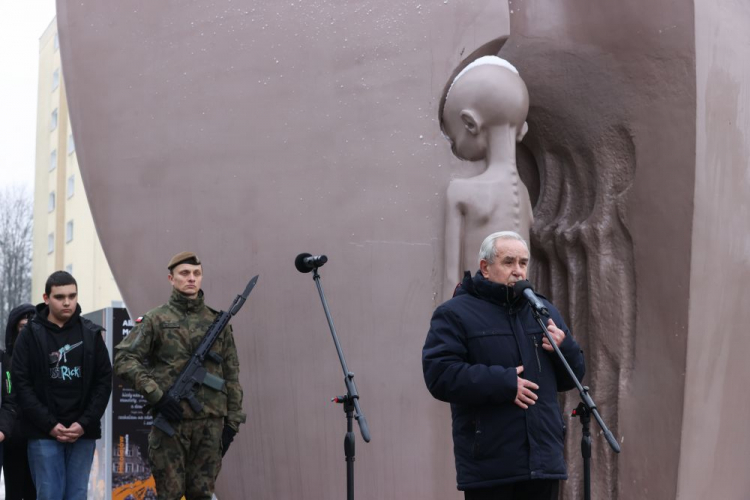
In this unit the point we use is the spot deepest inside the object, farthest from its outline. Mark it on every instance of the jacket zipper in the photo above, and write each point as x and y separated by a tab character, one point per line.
477	436
536	352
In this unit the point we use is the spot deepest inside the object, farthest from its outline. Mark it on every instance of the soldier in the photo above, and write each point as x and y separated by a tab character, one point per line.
151	358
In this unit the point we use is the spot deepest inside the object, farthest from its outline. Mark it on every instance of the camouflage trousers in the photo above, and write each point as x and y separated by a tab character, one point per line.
188	462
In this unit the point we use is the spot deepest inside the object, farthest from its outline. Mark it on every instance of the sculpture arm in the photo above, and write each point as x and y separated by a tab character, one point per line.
452	254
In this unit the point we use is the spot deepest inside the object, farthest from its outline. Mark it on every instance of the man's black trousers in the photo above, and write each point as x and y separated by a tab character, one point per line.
539	489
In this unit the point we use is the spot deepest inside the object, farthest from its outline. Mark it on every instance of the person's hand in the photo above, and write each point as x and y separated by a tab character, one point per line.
59	432
557	335
169	407
2	437
73	432
227	436
525	396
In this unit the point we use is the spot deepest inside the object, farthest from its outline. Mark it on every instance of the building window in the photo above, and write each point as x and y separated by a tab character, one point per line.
53	160
56	79
71	144
57	42
50	242
51	202
69	269
53	120
71	185
69	231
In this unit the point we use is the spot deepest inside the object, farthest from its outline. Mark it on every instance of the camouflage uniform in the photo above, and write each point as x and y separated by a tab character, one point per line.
150	358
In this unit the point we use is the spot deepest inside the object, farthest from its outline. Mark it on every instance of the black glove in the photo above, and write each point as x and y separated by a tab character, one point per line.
227	436
169	407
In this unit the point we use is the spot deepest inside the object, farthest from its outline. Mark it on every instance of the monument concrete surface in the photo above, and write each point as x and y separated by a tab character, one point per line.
251	131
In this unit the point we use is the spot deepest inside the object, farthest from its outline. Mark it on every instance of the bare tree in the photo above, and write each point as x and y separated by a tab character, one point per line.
16	228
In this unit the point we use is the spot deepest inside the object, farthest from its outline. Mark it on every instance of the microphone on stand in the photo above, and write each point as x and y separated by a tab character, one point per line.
523	288
306	262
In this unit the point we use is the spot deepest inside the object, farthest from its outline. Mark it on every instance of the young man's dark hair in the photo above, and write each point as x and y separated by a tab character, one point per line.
59	278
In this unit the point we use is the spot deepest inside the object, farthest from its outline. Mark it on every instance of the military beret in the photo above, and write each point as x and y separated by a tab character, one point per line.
181	258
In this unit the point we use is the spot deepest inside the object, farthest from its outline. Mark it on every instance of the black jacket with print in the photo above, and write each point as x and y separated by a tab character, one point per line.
30	376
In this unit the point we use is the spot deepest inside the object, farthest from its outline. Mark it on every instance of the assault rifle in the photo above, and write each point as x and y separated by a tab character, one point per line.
194	373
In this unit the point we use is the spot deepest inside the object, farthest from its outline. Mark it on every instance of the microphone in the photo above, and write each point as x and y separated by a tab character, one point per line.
523	288
306	262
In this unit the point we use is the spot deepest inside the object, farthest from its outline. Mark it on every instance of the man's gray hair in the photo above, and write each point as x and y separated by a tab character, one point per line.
487	250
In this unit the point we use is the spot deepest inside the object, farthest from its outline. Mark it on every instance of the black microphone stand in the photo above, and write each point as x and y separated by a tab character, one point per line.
585	408
350	401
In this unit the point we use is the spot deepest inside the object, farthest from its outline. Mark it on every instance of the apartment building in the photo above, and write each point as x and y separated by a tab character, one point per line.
64	234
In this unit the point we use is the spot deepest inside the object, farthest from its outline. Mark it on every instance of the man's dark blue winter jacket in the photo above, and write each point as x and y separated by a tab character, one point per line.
476	341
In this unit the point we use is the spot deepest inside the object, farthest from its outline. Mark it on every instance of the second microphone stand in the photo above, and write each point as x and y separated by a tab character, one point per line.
350	400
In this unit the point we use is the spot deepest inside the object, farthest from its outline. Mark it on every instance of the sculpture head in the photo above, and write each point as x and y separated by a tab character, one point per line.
488	93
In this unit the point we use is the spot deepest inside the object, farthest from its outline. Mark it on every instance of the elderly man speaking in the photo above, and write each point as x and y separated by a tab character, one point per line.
487	356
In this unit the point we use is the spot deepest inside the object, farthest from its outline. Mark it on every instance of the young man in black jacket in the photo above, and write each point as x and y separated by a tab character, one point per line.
63	378
487	356
18	482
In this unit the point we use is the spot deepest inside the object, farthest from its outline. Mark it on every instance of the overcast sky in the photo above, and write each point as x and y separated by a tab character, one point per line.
22	22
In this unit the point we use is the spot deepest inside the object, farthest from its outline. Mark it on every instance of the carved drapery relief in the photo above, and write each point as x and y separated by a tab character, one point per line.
578	164
582	158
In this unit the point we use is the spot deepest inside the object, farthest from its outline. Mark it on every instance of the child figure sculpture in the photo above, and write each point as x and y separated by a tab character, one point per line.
483	118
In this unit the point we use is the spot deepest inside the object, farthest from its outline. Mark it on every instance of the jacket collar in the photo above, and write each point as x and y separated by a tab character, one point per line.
480	287
184	304
42	311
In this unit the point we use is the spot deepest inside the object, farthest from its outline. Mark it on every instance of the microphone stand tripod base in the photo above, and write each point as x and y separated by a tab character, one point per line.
582	412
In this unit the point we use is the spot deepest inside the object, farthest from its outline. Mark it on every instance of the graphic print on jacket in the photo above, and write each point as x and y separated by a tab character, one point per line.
65	372
65	358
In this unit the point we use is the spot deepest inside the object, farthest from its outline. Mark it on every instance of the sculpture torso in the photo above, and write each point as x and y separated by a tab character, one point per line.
492	201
